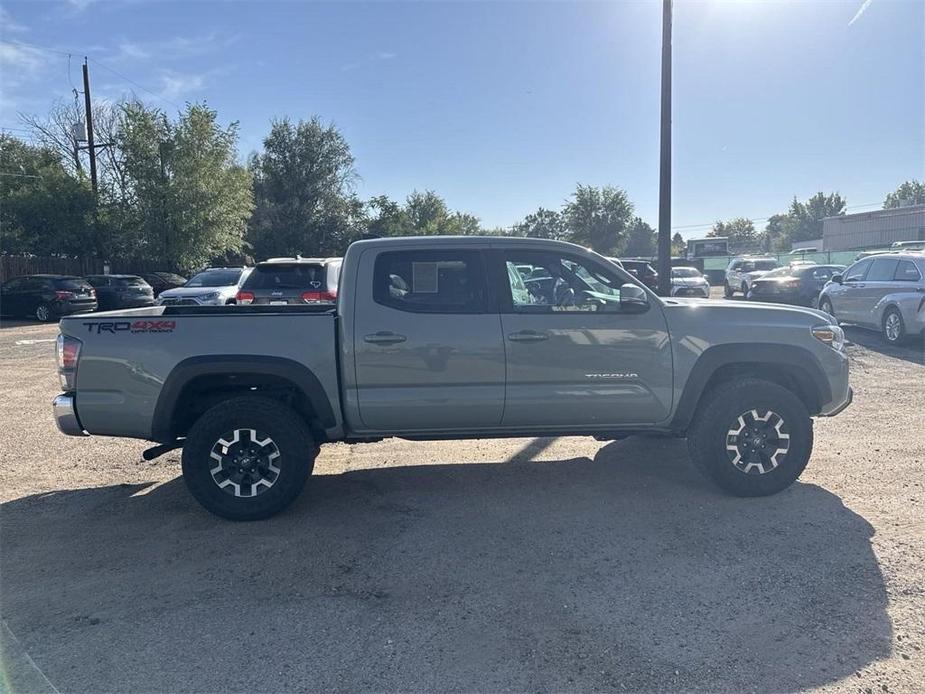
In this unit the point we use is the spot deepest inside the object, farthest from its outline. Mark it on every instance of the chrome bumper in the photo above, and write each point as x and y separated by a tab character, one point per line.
66	416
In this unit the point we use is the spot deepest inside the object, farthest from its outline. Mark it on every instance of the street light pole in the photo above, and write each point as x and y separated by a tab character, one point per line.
664	178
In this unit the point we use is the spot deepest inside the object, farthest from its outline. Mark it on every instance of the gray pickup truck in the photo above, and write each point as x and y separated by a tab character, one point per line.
453	338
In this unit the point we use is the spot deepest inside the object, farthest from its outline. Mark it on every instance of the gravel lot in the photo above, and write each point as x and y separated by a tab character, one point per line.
495	565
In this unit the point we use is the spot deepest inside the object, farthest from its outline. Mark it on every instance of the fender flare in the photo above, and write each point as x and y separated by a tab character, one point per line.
194	367
793	358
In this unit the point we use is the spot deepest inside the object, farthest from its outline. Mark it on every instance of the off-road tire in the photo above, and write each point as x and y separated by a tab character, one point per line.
886	328
720	408
289	435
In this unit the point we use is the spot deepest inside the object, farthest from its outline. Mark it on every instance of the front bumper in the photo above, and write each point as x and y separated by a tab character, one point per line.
66	415
702	291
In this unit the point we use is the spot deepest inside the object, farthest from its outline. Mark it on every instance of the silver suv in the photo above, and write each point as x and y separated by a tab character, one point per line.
884	292
742	270
216	286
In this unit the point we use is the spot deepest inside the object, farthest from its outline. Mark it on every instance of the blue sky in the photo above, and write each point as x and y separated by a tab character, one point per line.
503	107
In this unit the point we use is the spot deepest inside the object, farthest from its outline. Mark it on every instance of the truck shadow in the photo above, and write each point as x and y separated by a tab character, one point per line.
913	350
571	574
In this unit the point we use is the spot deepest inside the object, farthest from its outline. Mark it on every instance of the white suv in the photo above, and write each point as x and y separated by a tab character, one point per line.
742	270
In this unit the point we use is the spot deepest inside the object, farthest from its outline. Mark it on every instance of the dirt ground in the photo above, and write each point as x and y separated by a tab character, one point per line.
497	565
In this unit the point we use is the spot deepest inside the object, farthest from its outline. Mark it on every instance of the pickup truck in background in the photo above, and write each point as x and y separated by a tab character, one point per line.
442	338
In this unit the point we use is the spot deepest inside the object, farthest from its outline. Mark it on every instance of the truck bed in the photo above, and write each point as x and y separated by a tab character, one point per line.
128	357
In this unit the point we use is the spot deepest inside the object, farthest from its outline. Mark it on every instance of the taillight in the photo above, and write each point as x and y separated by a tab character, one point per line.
245	297
319	296
67	354
61	295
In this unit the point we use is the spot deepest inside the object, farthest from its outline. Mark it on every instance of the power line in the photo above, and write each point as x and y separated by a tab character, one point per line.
68	55
765	219
131	81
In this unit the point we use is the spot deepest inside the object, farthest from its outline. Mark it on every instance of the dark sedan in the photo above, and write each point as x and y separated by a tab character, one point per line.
162	281
121	291
796	284
46	297
643	271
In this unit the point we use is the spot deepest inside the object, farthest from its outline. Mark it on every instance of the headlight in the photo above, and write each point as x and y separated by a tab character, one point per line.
213	296
831	335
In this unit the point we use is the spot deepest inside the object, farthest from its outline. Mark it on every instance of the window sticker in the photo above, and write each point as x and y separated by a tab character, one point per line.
424	278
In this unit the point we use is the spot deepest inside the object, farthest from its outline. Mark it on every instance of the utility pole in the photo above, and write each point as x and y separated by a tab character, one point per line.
664	178
91	148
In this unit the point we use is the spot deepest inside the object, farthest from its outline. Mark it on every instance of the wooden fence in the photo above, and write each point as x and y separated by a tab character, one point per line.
15	265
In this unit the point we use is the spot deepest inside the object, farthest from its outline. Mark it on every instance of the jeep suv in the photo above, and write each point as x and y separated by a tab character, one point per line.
742	270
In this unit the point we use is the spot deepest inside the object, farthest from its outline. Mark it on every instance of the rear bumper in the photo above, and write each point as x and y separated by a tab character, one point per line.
66	308
66	415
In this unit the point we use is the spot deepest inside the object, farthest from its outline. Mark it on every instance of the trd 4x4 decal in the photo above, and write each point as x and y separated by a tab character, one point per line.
138	326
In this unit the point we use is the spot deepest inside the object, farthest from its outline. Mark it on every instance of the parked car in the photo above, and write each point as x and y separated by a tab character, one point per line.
279	281
643	271
434	338
689	281
884	292
804	251
742	270
46	297
616	261
907	246
794	284
162	281
121	291
215	286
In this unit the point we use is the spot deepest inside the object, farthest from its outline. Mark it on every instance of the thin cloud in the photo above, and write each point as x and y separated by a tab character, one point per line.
9	24
372	58
175	85
176	48
860	11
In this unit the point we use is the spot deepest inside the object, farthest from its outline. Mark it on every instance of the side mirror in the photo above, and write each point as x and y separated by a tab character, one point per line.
633	299
837	279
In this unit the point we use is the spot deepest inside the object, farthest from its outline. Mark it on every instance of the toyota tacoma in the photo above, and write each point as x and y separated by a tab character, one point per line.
442	338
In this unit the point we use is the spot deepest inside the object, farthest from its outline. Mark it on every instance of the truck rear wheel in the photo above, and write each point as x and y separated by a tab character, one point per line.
247	458
751	437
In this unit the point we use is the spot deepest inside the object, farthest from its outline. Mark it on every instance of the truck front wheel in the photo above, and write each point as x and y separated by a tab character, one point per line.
751	437
247	458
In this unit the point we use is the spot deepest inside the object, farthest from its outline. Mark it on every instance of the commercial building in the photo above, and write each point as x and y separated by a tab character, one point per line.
877	229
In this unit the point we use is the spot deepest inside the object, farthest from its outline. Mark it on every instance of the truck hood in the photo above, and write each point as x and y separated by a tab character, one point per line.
742	310
181	292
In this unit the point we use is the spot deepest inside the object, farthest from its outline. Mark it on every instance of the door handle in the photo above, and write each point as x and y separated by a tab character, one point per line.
528	336
860	285
384	337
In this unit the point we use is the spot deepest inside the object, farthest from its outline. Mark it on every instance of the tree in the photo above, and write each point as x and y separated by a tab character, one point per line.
804	219
775	233
44	210
598	217
678	245
542	224
909	193
303	192
739	230
640	240
190	197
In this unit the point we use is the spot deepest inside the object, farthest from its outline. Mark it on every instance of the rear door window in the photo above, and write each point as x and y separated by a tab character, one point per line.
73	285
430	281
906	271
130	282
282	276
882	270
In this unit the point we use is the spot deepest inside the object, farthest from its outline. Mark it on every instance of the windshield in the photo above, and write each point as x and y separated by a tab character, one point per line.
779	272
764	264
75	284
214	278
685	272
